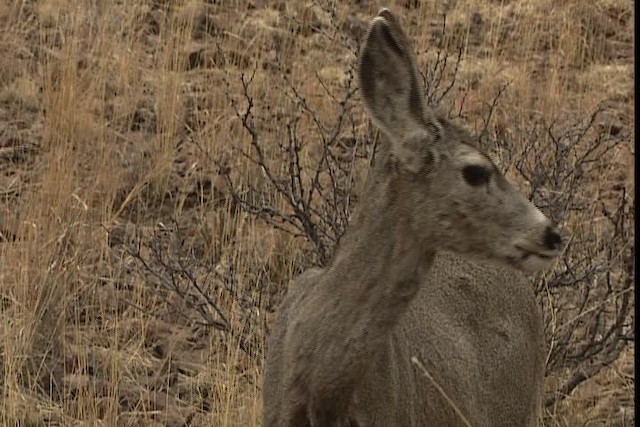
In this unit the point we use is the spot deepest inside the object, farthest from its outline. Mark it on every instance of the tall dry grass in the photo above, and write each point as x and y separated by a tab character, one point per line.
112	118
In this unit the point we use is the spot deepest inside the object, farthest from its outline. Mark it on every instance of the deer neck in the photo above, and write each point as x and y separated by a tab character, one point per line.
381	263
352	310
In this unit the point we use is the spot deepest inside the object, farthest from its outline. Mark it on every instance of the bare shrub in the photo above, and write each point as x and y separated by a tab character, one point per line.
197	293
588	298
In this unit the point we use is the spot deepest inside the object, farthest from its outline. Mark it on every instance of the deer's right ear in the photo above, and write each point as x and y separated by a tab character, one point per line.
392	90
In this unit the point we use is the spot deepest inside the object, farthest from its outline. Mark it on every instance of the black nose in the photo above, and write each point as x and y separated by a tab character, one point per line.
552	238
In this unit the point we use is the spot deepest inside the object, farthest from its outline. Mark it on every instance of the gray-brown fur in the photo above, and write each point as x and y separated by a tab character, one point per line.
411	279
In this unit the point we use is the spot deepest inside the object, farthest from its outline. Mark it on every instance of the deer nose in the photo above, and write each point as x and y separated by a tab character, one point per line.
552	238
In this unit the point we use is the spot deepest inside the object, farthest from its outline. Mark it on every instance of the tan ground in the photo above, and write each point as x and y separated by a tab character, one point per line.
111	116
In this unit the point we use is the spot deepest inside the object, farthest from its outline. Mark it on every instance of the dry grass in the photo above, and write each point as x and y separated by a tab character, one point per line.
110	116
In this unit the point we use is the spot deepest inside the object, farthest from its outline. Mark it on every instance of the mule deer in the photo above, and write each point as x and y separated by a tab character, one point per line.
406	293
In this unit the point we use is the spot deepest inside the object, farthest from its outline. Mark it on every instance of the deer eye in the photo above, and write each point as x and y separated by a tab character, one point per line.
476	175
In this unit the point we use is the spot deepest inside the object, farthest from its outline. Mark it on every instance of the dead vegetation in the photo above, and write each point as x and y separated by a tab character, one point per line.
167	167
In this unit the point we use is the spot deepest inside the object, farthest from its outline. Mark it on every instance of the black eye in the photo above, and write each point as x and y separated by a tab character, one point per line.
476	175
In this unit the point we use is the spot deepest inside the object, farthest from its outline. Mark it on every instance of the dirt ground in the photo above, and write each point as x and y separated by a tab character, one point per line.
115	121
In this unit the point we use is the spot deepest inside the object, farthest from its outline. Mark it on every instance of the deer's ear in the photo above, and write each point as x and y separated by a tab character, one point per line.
393	92
388	76
417	152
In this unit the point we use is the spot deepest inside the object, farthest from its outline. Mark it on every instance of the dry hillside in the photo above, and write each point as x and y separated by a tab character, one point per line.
150	151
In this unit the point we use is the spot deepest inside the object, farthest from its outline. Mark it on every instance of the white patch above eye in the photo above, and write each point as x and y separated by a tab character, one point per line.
538	216
474	158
